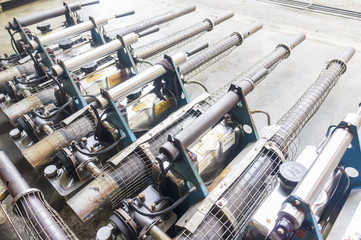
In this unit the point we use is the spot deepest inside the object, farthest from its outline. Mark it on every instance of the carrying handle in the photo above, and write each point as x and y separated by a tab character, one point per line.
197	49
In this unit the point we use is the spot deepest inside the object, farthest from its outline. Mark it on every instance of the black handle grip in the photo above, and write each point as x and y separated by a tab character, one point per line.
92	2
197	49
131	12
148	31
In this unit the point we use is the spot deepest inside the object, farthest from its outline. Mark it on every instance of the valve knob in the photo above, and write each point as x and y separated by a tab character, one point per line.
43	27
91	67
65	44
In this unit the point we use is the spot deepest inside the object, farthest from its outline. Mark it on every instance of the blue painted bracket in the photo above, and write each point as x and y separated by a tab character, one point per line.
98	38
69	19
187	170
125	56
241	114
169	82
71	88
117	118
352	157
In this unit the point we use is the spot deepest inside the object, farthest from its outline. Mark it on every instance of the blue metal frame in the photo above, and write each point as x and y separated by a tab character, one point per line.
70	87
117	118
351	158
185	167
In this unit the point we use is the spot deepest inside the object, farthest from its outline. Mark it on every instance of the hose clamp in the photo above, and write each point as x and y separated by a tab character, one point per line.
340	62
240	37
211	23
24	193
288	49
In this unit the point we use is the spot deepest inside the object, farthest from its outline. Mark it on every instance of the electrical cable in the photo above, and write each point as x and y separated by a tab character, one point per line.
348	182
13	57
55	113
59	85
163	199
168	209
265	113
30	82
199	83
110	147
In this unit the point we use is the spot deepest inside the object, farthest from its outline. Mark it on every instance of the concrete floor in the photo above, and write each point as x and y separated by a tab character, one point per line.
327	36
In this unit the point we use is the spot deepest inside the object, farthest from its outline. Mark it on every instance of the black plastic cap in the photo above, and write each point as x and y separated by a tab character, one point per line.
291	173
43	27
65	44
91	67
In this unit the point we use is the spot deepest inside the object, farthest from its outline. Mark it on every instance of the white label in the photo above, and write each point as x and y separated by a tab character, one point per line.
228	141
135	121
209	143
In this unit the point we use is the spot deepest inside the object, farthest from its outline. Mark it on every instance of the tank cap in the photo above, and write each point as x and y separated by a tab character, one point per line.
43	27
65	44
91	67
291	173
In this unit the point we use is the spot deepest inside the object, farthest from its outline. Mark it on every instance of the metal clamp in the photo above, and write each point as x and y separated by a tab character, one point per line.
211	24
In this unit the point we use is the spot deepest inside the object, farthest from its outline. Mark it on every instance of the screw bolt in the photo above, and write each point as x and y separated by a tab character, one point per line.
280	231
141	196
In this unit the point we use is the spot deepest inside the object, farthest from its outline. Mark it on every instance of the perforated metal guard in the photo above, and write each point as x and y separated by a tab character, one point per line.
155	49
140	26
38	218
209	56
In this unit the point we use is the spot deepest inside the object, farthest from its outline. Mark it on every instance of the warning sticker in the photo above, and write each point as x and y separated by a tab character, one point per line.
95	77
144	102
114	79
209	143
135	121
205	162
228	141
163	106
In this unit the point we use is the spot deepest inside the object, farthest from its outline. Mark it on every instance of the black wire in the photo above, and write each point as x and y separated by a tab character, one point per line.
30	82
340	198
164	199
98	128
168	209
12	57
55	113
101	151
59	85
12	41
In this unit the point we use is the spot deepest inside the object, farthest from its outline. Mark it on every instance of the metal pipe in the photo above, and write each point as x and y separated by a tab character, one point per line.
73	30
292	123
96	53
158	234
36	18
40	153
16	71
67	32
235	39
140	26
29	103
30	205
173	39
138	81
